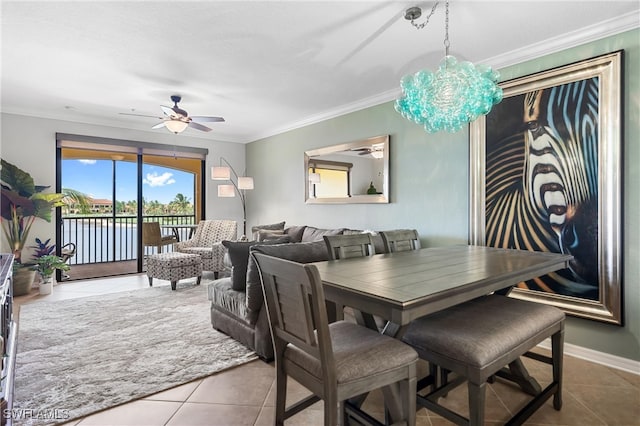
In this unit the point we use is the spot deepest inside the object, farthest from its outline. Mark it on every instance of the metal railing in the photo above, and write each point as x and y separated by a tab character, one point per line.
112	238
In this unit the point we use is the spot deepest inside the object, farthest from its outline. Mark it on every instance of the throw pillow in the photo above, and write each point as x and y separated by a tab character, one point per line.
295	232
312	233
239	255
264	235
306	252
269	227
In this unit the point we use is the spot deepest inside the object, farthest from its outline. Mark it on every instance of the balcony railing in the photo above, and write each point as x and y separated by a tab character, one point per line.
110	239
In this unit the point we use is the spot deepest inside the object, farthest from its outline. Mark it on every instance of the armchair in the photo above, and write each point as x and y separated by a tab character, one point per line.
207	242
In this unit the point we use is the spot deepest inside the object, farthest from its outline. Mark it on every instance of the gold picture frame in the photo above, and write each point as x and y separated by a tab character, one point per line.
545	174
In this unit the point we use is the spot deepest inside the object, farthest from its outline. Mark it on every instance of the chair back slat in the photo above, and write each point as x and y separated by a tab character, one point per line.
347	246
400	240
295	305
151	234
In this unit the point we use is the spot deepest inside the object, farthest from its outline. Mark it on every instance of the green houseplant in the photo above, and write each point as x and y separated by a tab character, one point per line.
46	265
21	203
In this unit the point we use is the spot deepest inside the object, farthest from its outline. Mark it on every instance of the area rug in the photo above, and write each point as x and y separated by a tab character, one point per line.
79	356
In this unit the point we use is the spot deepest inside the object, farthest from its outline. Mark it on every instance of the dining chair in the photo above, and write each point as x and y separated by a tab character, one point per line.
351	245
152	237
400	240
334	361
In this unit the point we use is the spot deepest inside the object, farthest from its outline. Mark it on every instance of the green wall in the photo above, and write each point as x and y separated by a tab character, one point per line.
429	183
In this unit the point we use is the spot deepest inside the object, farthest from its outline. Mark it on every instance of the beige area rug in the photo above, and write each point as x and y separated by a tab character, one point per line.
79	356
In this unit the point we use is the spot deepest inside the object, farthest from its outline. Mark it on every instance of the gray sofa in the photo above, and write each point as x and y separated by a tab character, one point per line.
237	307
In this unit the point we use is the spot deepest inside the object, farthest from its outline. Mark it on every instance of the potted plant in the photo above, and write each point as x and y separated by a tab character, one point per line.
21	203
46	265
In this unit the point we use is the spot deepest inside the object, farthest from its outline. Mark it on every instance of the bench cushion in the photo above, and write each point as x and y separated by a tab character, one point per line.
482	331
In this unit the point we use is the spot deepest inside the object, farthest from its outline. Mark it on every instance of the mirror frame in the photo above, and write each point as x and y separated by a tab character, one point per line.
354	199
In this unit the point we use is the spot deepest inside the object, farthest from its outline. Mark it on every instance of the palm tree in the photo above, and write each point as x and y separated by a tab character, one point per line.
181	203
79	199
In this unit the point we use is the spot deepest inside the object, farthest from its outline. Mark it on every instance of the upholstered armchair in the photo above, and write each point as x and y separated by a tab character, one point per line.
207	242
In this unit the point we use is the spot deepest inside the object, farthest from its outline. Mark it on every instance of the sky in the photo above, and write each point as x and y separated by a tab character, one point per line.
94	178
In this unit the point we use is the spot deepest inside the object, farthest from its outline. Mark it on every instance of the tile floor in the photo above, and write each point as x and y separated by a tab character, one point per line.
593	394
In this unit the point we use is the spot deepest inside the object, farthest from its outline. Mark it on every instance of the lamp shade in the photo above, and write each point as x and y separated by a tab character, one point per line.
220	173
245	182
226	191
314	177
176	126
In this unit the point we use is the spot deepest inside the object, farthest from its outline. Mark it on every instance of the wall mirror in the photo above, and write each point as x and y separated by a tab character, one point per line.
353	172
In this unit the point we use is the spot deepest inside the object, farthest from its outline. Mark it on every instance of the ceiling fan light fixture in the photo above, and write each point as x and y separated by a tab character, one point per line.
176	126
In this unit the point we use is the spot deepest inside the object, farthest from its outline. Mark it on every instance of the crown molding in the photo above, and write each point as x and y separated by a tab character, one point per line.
565	41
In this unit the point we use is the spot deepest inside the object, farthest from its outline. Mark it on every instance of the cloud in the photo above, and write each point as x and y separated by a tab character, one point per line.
88	162
153	179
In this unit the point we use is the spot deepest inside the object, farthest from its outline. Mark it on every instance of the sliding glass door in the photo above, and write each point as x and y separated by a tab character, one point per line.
110	192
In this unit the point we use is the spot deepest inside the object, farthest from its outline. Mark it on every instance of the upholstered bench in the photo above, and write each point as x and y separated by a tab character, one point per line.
477	339
174	267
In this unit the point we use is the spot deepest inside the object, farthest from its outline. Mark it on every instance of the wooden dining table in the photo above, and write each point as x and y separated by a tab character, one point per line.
403	286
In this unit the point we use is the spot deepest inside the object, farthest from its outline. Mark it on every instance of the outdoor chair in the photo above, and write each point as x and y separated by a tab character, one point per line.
207	242
334	361
152	237
67	251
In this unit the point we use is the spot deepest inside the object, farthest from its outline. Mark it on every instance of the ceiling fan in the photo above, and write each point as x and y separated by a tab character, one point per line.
176	119
376	150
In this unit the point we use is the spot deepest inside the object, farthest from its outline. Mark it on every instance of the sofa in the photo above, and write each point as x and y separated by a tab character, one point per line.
237	307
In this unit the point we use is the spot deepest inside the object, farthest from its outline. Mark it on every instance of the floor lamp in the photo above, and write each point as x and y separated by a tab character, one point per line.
238	184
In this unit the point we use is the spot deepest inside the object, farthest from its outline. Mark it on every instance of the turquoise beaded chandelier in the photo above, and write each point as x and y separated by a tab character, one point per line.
451	97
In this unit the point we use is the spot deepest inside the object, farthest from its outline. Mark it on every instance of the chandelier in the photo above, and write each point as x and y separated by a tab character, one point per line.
451	97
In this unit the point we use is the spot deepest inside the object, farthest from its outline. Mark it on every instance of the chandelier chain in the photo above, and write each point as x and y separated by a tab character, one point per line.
446	29
422	25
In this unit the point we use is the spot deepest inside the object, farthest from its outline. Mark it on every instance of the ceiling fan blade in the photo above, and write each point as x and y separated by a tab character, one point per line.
203	119
159	125
199	126
180	111
140	115
168	111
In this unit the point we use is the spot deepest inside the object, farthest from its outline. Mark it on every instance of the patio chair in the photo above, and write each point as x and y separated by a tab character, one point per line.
207	242
152	237
335	361
67	251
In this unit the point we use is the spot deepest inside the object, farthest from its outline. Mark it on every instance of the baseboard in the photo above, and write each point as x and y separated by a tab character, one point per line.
602	358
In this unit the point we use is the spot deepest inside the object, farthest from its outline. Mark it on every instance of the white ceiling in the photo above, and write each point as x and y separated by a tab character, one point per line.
265	66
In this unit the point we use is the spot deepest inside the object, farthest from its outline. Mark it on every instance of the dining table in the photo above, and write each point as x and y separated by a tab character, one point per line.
403	286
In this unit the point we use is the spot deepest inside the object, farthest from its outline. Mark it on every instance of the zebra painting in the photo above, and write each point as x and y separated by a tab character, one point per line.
542	181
